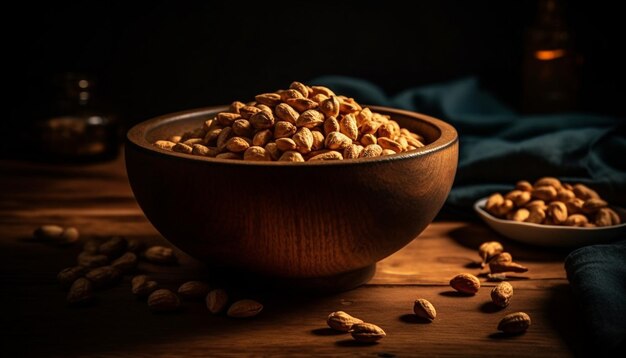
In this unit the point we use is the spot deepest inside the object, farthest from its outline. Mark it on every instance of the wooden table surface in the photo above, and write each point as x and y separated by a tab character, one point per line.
97	199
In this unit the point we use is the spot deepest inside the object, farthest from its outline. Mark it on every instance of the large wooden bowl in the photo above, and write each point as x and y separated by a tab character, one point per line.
291	220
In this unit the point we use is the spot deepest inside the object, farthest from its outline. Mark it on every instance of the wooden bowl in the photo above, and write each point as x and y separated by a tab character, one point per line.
291	220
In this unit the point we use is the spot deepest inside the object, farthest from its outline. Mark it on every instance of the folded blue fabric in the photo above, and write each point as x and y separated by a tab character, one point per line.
574	147
598	278
499	147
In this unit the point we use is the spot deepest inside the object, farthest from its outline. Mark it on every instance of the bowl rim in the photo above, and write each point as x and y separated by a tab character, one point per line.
136	136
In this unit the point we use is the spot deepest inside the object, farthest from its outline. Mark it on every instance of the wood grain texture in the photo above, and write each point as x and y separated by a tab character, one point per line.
294	220
98	200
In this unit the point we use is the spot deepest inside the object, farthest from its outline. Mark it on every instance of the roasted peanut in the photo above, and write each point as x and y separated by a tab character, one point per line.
501	294
216	300
341	321
244	309
514	323
465	283
67	276
489	249
277	118
554	203
367	332
193	289
142	286
81	292
160	255
423	308
163	300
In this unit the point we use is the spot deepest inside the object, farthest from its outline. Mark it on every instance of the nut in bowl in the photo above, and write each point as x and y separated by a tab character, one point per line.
551	213
295	220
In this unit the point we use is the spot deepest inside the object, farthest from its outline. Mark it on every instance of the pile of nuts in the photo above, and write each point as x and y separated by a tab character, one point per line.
550	202
102	264
302	123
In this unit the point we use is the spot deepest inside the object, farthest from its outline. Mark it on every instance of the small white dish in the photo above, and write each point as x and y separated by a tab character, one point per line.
551	235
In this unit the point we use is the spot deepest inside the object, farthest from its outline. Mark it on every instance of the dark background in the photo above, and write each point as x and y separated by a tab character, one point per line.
163	56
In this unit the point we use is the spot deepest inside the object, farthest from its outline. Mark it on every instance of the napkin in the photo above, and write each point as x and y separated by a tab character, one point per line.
498	146
597	275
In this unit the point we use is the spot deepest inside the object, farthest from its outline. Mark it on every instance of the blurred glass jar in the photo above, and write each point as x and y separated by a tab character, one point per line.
77	125
551	65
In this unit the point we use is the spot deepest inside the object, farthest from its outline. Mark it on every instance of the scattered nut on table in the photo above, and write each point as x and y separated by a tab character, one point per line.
160	255
514	323
56	234
143	286
465	283
194	290
341	321
367	332
163	300
501	294
488	249
216	300
244	309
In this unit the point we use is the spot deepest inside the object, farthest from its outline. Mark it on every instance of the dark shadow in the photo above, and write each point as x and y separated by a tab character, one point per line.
483	275
326	332
490	307
474	234
414	319
455	294
354	343
473	265
29	239
562	314
502	335
177	312
83	305
295	287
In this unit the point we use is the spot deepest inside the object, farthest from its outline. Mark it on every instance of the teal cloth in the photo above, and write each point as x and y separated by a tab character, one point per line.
598	278
499	146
